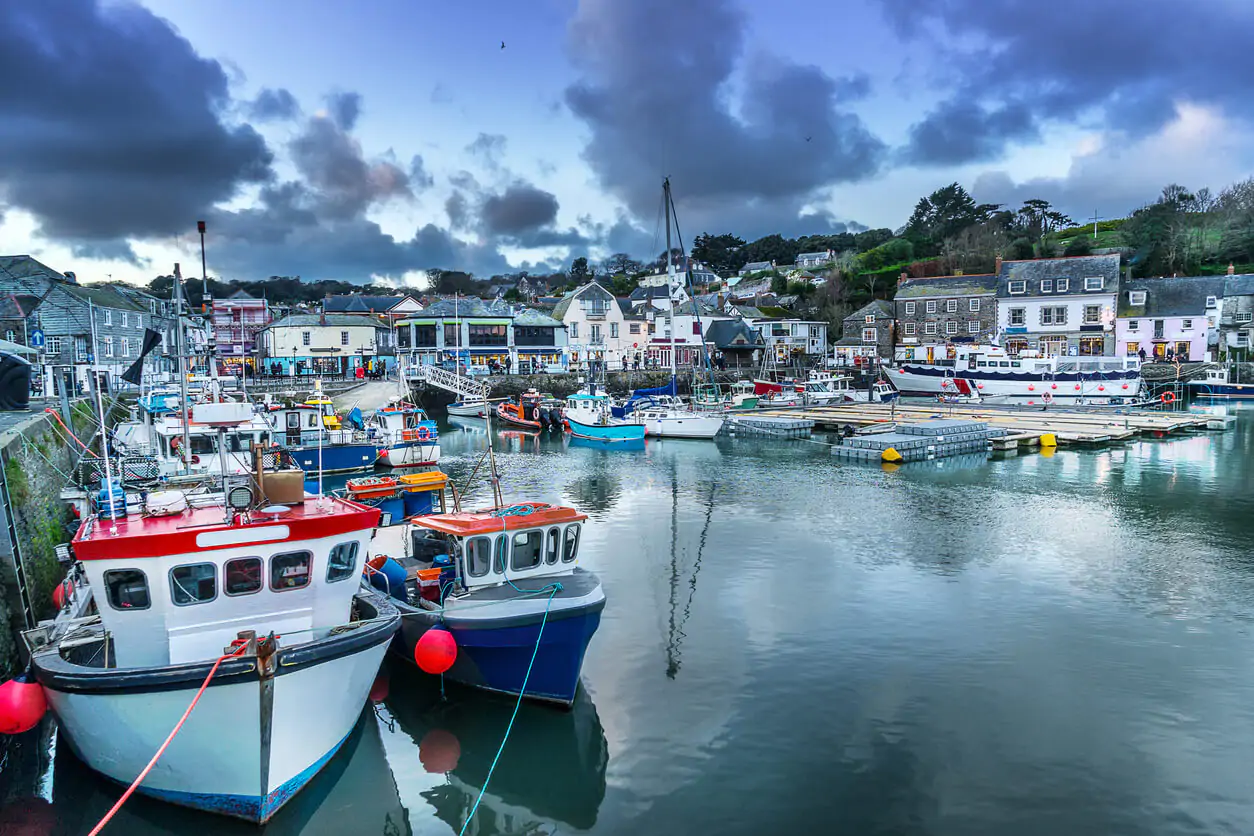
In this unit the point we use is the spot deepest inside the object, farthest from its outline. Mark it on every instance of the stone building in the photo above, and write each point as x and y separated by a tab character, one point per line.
946	309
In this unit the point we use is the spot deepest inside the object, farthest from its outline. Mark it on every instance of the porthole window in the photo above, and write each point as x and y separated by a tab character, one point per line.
527	546
290	570
195	583
572	543
127	588
554	546
242	576
342	563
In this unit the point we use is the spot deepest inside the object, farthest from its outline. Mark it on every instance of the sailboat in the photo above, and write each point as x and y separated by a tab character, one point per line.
470	407
671	420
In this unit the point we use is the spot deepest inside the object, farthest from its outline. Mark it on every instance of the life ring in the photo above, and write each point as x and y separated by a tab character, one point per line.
1169	397
1047	397
424	434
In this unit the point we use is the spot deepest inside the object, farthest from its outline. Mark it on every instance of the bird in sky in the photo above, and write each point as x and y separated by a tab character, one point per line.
502	44
808	138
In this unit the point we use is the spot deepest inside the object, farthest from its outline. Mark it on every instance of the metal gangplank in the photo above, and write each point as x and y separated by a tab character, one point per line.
460	385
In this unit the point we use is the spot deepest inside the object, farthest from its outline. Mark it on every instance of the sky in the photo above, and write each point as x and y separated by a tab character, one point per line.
373	141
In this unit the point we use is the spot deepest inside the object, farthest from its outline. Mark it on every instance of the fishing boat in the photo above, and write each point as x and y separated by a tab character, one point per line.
318	440
1215	386
253	615
988	370
510	591
528	412
589	417
406	437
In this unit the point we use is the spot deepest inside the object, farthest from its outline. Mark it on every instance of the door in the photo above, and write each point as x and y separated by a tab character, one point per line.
293	429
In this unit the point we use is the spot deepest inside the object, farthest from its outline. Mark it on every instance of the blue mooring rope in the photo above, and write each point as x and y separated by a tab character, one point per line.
513	716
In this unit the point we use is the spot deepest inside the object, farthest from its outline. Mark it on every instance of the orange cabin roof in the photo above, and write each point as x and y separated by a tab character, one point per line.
508	518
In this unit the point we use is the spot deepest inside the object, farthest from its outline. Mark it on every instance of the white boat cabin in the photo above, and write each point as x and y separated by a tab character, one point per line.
991	358
491	547
157	431
179	582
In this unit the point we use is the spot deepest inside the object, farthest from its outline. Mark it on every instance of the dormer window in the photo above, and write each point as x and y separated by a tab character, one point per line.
1094	283
1136	297
1047	285
1212	302
1016	288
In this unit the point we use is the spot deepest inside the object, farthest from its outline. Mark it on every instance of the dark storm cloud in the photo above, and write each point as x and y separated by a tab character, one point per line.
106	251
520	208
1126	61
112	124
273	105
332	163
654	96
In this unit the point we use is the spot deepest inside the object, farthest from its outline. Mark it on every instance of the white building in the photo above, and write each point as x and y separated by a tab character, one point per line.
1059	305
596	328
330	344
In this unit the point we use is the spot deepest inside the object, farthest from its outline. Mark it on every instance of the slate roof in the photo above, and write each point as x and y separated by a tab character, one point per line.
641	294
983	284
356	303
749	311
1182	296
104	296
305	320
530	317
882	308
1242	284
1076	269
686	308
24	267
756	266
724	334
463	307
560	309
822	254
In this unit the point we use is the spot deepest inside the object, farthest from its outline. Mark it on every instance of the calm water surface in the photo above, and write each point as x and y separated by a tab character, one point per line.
1036	645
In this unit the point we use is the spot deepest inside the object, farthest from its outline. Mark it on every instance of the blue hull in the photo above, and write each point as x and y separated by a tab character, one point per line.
612	433
1226	391
336	458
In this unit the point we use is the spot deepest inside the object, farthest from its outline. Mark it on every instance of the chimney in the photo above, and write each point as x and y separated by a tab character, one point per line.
997	267
1231	269
957	272
903	278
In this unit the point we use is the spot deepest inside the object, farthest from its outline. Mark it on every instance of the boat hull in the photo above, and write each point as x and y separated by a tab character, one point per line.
251	743
336	458
1063	386
469	410
495	643
410	454
686	426
611	433
1224	391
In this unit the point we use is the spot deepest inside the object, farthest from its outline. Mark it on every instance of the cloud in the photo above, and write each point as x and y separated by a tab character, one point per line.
273	105
332	163
1012	67
520	208
488	147
113	125
655	99
344	108
107	251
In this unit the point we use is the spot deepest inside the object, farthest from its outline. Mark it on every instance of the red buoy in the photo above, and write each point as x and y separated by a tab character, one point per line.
436	651
22	706
439	751
379	690
1031	388
1101	388
1053	386
58	596
1077	387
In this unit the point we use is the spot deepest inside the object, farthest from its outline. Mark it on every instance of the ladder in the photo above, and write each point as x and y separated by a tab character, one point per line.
462	386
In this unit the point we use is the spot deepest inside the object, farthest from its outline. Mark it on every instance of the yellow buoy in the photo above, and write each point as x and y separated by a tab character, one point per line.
890	455
1049	440
890	467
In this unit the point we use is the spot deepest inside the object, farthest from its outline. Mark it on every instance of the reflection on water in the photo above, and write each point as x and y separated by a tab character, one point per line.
793	644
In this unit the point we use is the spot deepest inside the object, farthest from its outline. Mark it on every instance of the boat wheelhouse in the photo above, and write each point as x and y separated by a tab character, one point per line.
275	592
591	417
318	441
509	587
985	370
1215	385
404	435
151	444
528	411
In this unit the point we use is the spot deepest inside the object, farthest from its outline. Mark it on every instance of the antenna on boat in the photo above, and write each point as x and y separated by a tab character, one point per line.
104	429
181	348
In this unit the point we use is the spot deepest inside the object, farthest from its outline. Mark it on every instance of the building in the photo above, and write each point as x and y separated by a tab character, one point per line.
1059	305
656	296
597	327
475	335
1180	315
237	323
945	309
692	320
868	333
320	344
736	344
1236	318
688	273
387	308
74	327
811	260
792	340
756	267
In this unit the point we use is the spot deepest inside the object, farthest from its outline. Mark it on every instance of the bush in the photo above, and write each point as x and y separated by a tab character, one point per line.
1022	249
1083	245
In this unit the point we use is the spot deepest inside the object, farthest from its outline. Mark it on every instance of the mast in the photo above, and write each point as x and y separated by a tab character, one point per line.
670	277
180	347
104	429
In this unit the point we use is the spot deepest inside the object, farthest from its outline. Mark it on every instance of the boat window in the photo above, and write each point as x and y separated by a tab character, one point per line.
502	550
527	550
572	542
290	570
1004	364
343	562
980	364
1014	364
195	583
128	589
242	576
478	556
554	545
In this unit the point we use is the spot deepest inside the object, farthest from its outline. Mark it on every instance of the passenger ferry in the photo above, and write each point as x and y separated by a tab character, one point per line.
988	371
163	593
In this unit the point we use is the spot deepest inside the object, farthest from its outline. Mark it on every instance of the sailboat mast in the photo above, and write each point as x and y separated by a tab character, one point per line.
181	348
670	277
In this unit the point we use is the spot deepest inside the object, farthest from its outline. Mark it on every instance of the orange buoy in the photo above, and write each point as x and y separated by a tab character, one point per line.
439	751
436	650
22	705
1031	388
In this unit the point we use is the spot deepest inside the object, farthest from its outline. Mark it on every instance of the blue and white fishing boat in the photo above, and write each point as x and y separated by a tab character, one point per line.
318	441
400	497
590	417
405	436
505	582
1215	386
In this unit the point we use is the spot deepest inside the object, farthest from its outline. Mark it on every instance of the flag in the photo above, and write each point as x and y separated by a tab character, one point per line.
136	372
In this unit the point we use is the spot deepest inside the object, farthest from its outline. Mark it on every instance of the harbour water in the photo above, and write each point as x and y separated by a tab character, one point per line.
1033	645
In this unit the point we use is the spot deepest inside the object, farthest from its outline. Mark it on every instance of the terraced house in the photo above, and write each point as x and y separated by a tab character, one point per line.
945	309
1059	306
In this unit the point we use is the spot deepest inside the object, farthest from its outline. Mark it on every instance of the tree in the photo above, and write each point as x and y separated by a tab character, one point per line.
1079	245
1021	249
1037	218
579	272
721	252
943	214
621	264
1235	207
779	284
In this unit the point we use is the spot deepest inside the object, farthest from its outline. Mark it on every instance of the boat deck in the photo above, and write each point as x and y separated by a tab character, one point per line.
1024	426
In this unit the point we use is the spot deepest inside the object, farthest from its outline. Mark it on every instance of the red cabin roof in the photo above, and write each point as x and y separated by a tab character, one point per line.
185	533
508	518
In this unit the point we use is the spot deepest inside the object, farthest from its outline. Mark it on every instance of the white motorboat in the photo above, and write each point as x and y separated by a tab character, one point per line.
470	409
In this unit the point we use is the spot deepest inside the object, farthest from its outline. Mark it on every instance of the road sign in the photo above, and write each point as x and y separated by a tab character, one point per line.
36	339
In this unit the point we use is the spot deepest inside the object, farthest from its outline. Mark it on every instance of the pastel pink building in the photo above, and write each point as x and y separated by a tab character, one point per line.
1177	316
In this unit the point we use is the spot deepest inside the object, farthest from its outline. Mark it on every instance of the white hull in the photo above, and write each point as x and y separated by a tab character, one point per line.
220	760
682	425
990	384
409	455
469	410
